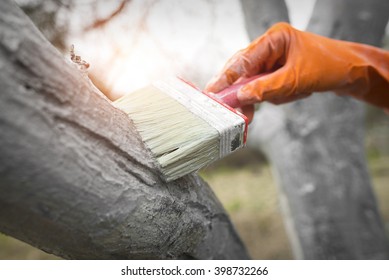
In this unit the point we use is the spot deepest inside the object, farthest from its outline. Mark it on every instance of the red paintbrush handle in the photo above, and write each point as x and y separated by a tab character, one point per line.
229	95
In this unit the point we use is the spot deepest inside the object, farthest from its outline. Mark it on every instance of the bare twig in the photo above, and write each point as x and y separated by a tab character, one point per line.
101	22
83	65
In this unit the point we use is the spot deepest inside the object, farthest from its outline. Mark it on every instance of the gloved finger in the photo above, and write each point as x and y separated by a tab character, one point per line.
248	111
278	87
265	54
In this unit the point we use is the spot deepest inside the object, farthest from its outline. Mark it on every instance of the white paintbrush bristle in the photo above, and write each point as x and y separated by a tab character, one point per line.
184	129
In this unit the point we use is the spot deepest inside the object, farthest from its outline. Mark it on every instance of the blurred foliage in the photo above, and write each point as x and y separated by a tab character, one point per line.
13	249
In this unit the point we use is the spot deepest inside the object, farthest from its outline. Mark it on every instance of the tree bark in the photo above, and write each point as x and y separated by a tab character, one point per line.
316	147
77	180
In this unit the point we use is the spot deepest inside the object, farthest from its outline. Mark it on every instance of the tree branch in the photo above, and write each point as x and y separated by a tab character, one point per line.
76	179
103	21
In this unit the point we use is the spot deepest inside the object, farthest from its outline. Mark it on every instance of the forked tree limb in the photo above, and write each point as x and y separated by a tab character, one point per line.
75	177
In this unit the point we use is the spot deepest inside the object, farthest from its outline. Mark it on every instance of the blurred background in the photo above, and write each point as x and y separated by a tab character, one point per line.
130	43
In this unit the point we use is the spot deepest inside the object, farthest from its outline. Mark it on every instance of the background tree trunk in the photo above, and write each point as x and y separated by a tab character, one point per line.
316	146
76	179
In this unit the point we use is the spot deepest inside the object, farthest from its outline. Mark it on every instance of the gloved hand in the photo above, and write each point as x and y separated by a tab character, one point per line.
299	63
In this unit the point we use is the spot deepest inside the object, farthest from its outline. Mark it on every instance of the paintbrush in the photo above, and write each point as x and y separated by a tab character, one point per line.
185	128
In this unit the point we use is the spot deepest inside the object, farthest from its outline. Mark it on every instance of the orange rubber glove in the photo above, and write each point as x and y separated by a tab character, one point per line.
299	63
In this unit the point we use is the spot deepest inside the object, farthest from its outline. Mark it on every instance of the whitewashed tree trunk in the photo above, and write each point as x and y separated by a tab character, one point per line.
75	177
316	145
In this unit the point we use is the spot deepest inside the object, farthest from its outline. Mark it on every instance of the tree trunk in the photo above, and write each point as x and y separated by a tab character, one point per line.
76	179
259	15
316	147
